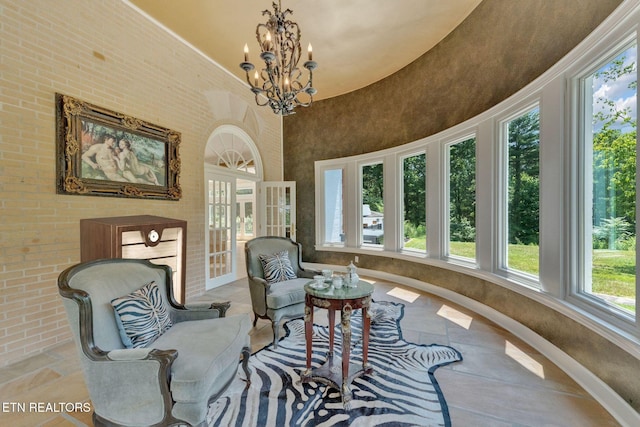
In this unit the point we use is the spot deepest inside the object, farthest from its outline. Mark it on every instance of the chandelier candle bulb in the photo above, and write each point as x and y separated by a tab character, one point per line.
310	50
267	43
246	53
255	77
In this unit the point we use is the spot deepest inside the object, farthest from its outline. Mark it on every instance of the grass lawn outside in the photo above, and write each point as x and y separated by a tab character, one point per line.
613	271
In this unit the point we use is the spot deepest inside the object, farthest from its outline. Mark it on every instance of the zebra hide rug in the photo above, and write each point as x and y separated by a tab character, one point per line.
402	390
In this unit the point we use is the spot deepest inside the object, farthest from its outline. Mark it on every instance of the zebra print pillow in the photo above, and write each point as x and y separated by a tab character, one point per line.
277	267
141	316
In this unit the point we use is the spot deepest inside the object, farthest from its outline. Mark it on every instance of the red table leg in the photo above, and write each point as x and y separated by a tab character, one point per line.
366	321
346	353
308	334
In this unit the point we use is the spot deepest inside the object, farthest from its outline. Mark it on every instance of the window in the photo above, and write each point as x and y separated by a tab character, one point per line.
372	204
609	162
333	213
414	203
538	192
521	248
462	198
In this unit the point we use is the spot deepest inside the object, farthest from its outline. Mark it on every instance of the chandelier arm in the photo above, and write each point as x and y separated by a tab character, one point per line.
275	87
251	85
266	102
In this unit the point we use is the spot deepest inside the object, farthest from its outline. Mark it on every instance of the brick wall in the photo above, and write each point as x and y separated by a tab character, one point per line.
106	53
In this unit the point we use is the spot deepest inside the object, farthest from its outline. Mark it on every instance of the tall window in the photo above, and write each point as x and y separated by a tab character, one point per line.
462	198
523	195
372	204
610	145
414	182
333	209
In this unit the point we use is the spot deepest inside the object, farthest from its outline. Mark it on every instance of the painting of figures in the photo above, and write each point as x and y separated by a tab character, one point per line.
123	156
101	152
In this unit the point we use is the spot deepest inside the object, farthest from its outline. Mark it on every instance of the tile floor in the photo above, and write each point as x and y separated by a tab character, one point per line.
502	381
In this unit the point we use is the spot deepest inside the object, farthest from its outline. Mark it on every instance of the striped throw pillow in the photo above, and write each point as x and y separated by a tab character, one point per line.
141	316
277	267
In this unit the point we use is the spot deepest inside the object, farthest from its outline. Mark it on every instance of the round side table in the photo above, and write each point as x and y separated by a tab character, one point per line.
345	299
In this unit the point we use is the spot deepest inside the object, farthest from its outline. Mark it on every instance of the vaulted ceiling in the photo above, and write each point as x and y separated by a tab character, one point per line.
355	42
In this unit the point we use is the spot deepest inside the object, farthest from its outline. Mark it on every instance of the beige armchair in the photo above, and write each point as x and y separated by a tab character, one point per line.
167	378
283	296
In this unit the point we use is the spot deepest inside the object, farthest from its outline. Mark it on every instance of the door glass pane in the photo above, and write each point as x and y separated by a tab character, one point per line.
269	220
522	253
462	199
414	179
238	218
286	220
215	241
372	205
611	263
244	210
248	218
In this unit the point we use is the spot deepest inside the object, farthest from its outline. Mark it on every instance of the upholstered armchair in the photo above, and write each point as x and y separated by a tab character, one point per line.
278	294
181	356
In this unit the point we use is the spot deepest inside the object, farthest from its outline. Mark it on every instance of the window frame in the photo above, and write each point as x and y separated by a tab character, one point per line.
446	232
400	201
321	205
369	161
502	218
581	178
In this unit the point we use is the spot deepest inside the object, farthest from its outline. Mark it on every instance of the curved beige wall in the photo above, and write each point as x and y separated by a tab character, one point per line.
501	47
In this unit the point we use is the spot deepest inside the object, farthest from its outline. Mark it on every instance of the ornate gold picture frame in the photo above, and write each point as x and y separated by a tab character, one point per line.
104	153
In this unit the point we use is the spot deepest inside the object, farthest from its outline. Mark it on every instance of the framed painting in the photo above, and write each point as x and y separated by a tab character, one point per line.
105	153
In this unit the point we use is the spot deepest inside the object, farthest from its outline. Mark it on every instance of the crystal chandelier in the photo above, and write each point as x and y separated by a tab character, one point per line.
279	83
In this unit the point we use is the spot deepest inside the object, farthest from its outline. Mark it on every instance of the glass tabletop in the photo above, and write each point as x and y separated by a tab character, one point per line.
362	290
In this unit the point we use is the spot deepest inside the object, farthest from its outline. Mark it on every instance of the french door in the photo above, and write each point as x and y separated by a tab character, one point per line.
233	214
220	235
277	201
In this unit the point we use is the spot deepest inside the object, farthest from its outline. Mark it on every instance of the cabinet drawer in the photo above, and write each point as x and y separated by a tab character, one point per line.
140	251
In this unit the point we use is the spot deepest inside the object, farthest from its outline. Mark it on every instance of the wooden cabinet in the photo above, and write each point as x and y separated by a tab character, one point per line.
157	239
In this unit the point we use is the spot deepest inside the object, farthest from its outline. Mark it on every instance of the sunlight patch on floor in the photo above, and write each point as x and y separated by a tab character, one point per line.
403	294
528	362
455	316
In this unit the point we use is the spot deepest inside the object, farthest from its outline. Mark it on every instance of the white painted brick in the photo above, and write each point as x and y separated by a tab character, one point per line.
48	47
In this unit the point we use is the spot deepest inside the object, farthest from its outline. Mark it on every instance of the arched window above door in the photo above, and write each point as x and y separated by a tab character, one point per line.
232	148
